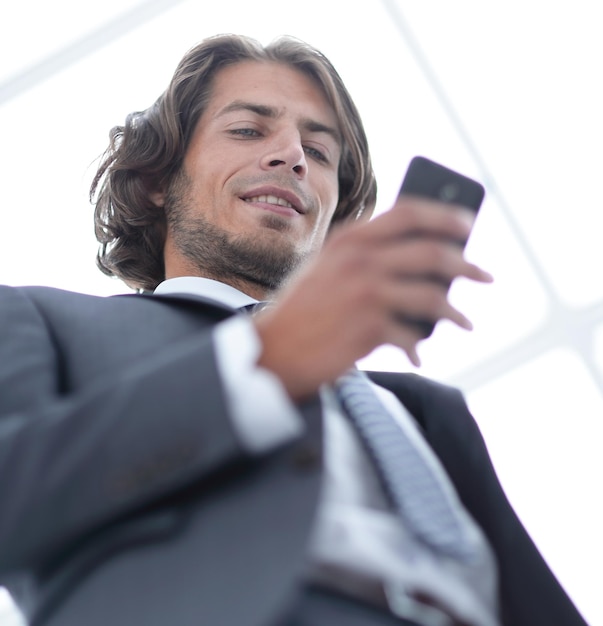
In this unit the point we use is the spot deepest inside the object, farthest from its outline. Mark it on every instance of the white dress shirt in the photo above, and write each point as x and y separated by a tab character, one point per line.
355	531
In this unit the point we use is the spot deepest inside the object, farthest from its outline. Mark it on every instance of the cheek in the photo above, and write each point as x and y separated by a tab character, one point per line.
330	200
322	226
204	179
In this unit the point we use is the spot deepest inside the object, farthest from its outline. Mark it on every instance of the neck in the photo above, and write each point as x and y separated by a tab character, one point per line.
178	265
258	292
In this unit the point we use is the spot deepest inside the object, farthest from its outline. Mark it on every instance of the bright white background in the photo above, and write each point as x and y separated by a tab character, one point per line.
508	92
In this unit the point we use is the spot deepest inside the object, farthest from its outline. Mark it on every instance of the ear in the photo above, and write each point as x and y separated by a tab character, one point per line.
157	198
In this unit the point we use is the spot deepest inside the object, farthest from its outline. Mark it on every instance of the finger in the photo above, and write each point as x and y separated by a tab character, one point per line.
418	215
425	259
456	317
410	301
424	325
405	338
477	274
413	356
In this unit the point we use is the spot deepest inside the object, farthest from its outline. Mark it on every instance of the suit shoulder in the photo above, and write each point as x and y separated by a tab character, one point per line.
65	311
47	292
430	402
408	383
37	293
43	297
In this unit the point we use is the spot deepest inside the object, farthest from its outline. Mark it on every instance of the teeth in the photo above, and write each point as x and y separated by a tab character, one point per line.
270	200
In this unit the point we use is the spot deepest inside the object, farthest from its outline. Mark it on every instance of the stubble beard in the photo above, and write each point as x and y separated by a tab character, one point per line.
237	260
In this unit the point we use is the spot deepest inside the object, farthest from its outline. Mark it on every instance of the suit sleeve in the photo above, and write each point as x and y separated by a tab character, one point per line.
71	462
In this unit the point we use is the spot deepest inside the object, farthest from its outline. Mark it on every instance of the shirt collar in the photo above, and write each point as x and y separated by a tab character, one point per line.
220	292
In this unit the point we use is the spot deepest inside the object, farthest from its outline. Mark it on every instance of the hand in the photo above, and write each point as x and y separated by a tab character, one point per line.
359	293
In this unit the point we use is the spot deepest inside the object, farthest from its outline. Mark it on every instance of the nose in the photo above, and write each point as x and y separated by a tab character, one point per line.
286	152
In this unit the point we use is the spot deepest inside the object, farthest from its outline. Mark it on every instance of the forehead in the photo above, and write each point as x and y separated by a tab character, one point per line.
287	89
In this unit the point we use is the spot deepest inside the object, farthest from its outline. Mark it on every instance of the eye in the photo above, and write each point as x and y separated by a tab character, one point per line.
244	132
316	154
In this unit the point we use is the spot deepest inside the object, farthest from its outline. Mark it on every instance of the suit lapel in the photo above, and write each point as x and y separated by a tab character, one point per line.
447	426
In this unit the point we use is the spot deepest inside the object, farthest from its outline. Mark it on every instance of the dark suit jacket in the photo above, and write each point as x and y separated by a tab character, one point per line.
128	499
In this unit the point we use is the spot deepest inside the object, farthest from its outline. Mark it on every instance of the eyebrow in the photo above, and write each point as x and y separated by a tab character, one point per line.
264	110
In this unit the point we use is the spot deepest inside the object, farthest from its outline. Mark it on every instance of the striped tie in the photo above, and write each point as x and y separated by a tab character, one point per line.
414	490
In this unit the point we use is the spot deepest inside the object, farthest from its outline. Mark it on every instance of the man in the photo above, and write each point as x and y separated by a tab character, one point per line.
171	460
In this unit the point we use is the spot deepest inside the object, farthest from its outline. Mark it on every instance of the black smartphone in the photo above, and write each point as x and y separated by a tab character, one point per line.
428	179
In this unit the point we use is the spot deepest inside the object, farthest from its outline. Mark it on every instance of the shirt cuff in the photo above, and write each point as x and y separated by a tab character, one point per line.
262	412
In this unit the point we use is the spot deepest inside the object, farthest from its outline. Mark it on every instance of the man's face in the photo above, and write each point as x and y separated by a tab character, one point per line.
259	182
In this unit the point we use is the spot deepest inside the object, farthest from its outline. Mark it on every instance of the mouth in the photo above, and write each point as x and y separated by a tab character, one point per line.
272	197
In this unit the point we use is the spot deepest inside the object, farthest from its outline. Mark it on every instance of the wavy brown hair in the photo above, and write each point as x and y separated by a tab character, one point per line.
148	150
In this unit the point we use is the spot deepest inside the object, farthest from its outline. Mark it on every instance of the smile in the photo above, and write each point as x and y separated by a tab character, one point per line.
269	199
